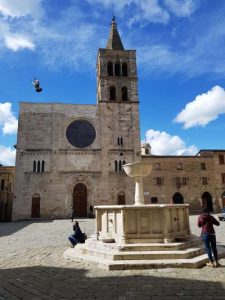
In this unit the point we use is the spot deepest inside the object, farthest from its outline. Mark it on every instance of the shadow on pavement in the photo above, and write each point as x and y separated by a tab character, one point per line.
41	282
8	228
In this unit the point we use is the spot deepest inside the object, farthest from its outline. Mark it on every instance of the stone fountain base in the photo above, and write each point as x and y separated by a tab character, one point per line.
109	256
141	237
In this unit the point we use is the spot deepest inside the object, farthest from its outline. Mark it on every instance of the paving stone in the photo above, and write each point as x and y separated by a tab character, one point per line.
31	265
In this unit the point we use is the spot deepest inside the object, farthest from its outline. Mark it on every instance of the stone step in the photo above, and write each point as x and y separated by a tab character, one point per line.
192	243
99	262
138	255
102	263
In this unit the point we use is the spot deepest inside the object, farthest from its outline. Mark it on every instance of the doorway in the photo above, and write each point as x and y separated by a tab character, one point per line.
223	200
35	210
121	198
80	200
207	201
178	198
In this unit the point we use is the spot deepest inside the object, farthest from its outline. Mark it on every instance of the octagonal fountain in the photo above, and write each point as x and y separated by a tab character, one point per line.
139	222
140	236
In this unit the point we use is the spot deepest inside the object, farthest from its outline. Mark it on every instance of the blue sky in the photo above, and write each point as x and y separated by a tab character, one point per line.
180	56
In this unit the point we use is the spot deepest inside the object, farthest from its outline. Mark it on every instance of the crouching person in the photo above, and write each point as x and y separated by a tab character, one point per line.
78	236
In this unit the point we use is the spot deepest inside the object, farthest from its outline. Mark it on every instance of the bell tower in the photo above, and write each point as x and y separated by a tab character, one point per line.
118	106
116	71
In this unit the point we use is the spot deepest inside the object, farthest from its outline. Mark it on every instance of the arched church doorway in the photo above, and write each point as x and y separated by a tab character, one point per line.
121	198
35	207
80	200
223	199
207	201
178	198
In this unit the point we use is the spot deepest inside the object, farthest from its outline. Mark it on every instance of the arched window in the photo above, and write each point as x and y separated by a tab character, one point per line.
112	93
120	166
42	166
124	93
34	166
39	166
117	69
116	166
124	69
110	69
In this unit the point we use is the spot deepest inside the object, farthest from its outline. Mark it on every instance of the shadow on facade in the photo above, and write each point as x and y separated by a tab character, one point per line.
67	283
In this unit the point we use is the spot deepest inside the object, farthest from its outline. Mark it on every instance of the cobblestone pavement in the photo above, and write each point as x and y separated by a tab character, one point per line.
32	267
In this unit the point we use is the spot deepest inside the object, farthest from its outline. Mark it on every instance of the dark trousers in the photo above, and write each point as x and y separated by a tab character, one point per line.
210	245
72	240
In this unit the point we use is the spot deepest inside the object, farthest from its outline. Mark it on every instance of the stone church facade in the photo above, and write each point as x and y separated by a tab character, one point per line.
72	155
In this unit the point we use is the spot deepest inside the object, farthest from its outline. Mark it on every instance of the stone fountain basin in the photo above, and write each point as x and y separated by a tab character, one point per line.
152	223
137	169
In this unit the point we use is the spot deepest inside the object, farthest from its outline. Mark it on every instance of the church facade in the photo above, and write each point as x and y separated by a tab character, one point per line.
72	155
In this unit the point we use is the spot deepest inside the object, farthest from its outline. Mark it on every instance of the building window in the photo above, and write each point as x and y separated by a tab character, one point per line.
117	69
116	166
179	166
110	69
203	167
221	159
112	91
157	166
34	166
42	166
146	151
119	165
223	177
159	180
124	69
204	180
3	185
124	93
154	200
120	141
39	166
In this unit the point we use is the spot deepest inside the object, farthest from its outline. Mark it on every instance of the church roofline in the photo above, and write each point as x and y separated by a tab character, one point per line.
55	103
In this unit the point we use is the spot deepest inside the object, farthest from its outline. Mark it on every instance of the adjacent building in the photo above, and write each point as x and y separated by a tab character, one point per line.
7	177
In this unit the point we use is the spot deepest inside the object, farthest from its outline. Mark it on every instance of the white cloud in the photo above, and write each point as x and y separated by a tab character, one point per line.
21	8
18	41
8	122
151	11
203	109
7	156
163	143
182	8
